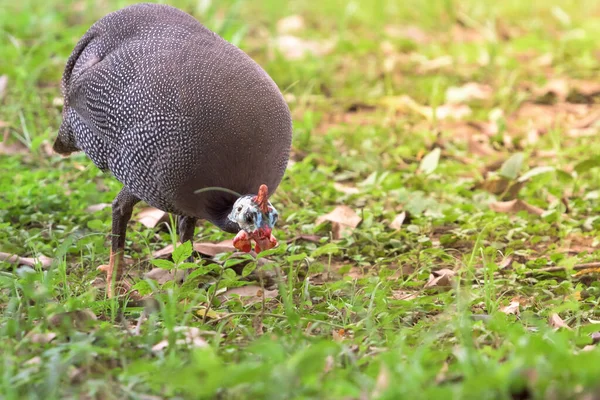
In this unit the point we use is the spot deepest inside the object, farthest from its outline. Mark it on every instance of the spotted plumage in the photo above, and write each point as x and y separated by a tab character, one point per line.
169	107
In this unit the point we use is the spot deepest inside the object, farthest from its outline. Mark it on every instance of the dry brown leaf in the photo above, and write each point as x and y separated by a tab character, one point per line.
553	90
295	48
208	249
308	238
45	262
250	294
557	322
162	276
290	24
515	206
345	188
42	338
338	335
382	382
97	207
506	262
464	34
13	148
426	65
442	112
192	337
468	92
447	111
150	216
3	85
411	32
33	361
343	220
77	319
329	364
441	278
501	186
212	249
512	308
441	375
480	145
398	221
403	295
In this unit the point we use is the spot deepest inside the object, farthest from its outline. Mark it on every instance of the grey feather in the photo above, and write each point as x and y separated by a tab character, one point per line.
169	107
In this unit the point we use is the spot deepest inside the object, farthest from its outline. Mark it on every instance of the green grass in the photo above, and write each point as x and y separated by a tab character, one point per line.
350	318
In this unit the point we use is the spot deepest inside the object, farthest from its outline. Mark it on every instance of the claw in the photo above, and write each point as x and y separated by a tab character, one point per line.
115	261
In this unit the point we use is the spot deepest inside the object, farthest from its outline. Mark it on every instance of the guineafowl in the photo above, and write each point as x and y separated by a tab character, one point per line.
175	112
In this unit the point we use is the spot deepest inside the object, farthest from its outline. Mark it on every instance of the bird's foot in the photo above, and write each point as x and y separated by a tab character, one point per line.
114	271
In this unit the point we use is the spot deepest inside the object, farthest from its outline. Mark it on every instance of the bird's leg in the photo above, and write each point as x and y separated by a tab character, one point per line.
122	208
186	226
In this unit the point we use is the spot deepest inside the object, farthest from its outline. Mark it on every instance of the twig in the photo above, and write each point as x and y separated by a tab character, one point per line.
577	267
281	316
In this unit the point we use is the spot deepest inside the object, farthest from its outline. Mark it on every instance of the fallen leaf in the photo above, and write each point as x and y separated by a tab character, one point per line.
382	382
295	48
588	347
343	219
515	206
557	322
3	84
506	262
13	148
346	189
338	335
250	293
192	337
81	320
211	314
402	295
212	249
398	221
257	324
501	186
150	216
554	90
441	375
162	276
329	364
42	338
512	308
290	24
33	361
411	32
480	145
468	92
426	65
206	248
441	278
97	207
511	168
465	34
308	238
45	262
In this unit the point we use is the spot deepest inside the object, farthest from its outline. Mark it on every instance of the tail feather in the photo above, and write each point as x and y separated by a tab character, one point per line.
65	143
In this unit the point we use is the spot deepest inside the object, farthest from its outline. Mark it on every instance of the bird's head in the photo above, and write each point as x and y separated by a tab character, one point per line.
256	217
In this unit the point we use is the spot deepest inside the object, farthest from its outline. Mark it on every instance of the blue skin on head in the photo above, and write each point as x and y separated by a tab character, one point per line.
248	215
